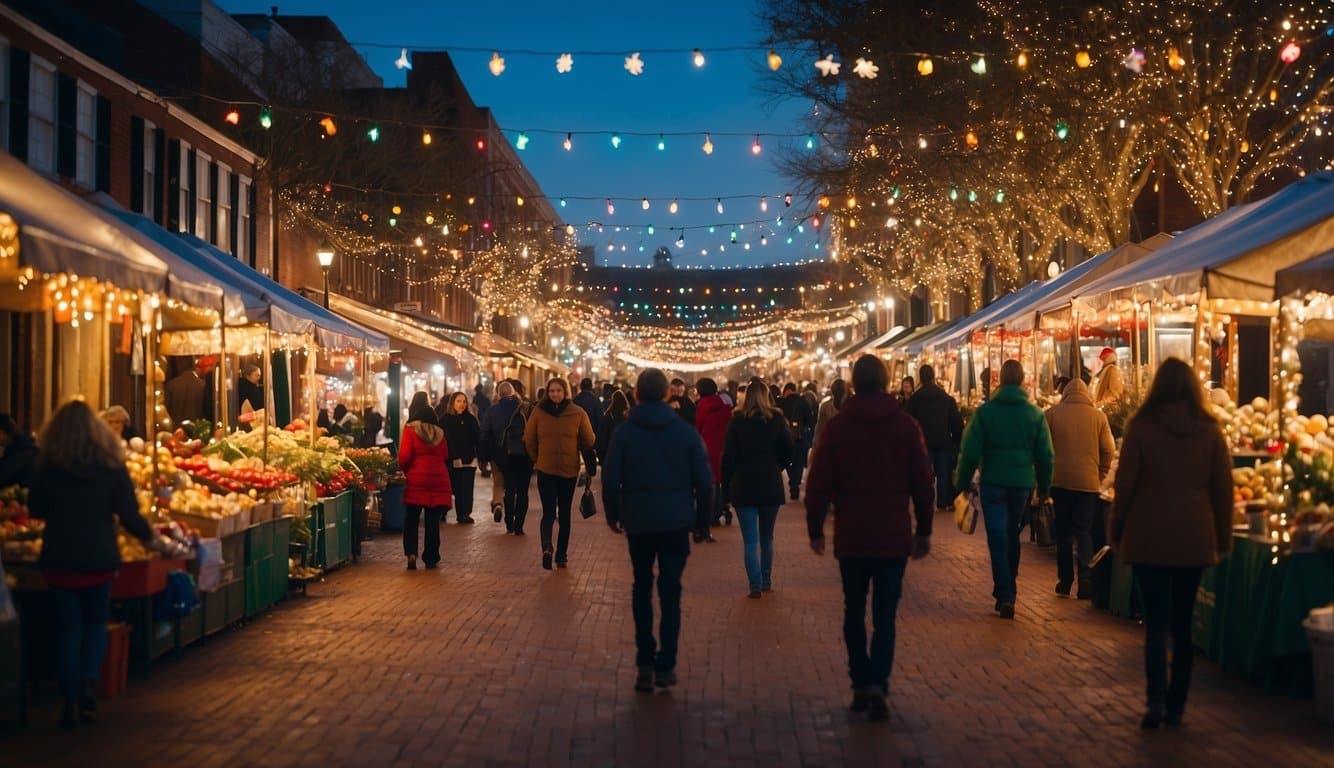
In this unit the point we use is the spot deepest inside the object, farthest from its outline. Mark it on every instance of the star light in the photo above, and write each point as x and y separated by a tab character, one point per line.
865	68
564	63
827	66
403	62
497	64
1134	61
634	65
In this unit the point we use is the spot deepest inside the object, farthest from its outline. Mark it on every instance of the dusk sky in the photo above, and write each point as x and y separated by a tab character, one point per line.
672	95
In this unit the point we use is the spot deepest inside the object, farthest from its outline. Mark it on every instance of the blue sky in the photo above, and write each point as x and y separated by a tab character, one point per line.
671	95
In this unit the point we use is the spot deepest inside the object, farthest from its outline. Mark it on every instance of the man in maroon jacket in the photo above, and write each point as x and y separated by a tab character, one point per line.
870	463
711	417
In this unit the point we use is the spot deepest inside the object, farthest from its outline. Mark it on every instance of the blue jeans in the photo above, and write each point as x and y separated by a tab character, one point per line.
82	615
1003	510
670	550
883	578
757	543
942	460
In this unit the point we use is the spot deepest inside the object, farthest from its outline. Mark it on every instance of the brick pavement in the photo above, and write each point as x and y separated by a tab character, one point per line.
492	661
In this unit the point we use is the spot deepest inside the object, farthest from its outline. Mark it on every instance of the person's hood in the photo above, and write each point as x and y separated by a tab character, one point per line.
1179	420
552	408
654	414
1076	392
1010	394
427	431
872	406
711	405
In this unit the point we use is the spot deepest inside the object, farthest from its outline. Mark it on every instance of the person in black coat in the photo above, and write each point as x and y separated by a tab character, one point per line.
462	434
612	418
511	470
20	453
82	489
757	448
942	426
589	401
801	420
680	402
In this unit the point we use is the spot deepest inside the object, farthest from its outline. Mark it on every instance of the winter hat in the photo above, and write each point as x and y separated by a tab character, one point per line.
1105	353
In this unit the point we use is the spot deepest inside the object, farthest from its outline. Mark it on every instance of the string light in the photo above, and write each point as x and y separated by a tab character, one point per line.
708	145
426	138
698	58
755	148
569	142
521	143
616	141
233	117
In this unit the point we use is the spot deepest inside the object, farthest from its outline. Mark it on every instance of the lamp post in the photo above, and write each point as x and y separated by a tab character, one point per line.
325	254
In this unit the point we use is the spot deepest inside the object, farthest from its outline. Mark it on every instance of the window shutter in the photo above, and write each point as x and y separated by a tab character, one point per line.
192	199
174	211
137	141
159	171
102	151
19	61
233	194
212	203
67	116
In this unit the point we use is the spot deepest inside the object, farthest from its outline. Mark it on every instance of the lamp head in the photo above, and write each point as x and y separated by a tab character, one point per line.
325	254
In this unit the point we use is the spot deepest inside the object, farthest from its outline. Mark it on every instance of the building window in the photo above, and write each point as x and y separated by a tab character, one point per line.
203	197
243	219
42	116
186	193
150	164
224	223
85	139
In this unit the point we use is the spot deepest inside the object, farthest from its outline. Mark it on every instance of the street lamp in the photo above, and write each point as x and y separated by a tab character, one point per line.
325	254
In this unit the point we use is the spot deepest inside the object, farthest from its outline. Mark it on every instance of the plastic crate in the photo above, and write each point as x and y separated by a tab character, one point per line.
258	586
259	542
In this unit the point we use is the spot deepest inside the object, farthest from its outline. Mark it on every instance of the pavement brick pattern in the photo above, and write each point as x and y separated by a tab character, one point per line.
491	661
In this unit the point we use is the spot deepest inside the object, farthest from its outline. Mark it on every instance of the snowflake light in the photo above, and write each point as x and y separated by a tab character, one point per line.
865	68
827	66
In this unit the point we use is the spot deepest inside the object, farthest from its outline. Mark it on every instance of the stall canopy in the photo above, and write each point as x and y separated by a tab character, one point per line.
1314	275
289	312
872	342
60	234
240	304
433	339
986	316
1235	254
911	343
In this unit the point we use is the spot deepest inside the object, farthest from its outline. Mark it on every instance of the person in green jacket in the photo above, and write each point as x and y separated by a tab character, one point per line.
1009	439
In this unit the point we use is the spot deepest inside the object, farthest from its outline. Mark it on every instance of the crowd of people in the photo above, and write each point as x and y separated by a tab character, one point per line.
672	466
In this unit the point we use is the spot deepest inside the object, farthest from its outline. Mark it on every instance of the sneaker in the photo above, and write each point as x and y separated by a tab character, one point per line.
877	704
1063	588
644	680
665	678
547	554
497	512
1006	610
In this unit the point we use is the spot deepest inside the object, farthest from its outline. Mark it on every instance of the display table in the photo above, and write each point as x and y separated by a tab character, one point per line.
1249	609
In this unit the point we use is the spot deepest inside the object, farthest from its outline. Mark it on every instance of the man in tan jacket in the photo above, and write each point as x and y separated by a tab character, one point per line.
1111	384
1082	442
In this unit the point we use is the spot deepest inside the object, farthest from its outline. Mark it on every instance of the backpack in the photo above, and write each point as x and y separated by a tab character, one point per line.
514	445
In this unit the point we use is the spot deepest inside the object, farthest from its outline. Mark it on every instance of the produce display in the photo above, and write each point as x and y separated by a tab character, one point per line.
316	462
1250	427
20	535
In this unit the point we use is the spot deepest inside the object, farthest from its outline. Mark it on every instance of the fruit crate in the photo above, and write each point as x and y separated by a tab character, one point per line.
141	578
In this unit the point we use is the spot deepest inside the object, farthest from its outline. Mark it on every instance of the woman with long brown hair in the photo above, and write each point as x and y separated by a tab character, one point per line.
424	459
1171	518
462	434
757	448
558	433
82	488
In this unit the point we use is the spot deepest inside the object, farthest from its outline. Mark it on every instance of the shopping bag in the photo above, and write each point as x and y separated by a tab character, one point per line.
967	508
587	504
1043	521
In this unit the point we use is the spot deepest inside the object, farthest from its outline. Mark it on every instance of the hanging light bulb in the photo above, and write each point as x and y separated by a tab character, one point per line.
1245	146
444	230
787	200
481	144
1175	60
708	145
1000	195
979	67
755	148
569	229
418	241
764	204
1022	61
673	208
521	143
519	201
810	141
970	139
921	142
734	235
720	205
611	209
775	61
763	240
650	229
426	138
1062	130
616	141
681	241
1083	60
852	202
234	117
569	142
662	143
925	66
266	118
644	204
1018	134
329	126
373	134
562	202
698	57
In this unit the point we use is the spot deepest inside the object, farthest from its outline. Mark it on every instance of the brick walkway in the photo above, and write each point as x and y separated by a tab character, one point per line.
493	661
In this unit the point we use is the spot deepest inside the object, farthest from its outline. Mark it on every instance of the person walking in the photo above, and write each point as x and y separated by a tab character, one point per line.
711	417
462	434
81	488
1008	438
906	390
801	420
757	447
588	400
656	486
1082	442
504	449
871	462
481	401
557	434
681	402
838	394
938	415
424	459
1171	518
612	418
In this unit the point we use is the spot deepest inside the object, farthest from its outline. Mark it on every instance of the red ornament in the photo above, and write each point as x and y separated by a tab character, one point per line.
1290	53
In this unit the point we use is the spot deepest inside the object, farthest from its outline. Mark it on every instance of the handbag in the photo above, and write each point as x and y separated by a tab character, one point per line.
967	508
587	504
1043	520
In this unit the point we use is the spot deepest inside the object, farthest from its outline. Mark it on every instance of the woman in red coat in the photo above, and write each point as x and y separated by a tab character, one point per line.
712	414
424	459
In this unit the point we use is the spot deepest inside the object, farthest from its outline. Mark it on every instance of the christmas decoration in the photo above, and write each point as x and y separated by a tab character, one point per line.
634	65
827	66
564	63
496	65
